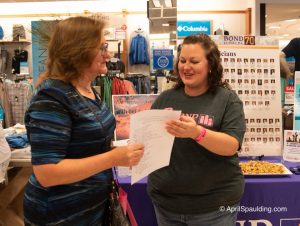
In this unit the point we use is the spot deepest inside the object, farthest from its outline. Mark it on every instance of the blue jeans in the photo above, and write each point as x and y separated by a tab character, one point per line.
215	218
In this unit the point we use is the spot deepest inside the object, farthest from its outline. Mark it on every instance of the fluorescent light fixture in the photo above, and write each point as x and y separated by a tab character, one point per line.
165	25
156	3
168	3
274	27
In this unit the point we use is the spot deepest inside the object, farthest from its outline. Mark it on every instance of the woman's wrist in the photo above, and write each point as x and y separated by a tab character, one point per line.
201	134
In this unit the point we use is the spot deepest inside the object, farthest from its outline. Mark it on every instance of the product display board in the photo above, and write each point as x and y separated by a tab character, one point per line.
115	29
251	67
291	151
296	122
126	105
39	46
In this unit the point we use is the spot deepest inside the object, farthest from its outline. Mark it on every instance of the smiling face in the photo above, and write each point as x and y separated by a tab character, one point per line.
193	68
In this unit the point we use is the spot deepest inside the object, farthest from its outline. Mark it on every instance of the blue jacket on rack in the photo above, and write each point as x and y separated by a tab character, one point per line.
138	53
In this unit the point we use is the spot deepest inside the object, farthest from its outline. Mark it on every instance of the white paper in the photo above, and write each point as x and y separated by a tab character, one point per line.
122	171
148	127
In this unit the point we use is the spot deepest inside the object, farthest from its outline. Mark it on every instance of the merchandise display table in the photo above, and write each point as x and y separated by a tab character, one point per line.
267	201
11	197
271	201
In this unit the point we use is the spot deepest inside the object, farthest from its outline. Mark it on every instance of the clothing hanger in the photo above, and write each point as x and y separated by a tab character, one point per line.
139	30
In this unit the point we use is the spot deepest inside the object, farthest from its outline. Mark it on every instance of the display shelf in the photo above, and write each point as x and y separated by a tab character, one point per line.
25	42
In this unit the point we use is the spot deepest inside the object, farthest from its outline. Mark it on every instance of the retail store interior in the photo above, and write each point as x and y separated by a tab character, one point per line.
144	39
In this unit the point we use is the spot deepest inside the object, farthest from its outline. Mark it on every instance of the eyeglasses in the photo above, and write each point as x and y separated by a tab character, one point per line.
103	49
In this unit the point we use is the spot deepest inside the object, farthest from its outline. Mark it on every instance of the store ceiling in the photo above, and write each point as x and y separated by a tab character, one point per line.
158	16
283	20
161	16
12	1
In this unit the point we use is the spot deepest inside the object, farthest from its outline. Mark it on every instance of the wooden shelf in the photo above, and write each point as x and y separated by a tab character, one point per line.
15	42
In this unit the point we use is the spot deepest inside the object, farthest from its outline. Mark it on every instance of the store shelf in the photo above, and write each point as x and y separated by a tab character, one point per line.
15	42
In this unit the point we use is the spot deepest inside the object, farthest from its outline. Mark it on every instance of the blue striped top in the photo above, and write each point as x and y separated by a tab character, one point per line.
61	125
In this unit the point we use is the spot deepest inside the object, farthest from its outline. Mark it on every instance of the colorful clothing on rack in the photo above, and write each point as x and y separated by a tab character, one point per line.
141	83
113	86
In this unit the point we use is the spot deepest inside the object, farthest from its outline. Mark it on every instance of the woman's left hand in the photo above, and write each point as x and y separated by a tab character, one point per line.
185	127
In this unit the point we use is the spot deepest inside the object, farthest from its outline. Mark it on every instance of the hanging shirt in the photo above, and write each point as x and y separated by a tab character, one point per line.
19	95
138	53
3	60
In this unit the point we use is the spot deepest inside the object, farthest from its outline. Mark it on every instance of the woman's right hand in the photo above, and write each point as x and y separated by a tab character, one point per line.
129	155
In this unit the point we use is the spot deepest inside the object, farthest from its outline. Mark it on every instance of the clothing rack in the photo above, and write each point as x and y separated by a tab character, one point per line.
139	30
114	74
171	77
21	77
138	75
14	77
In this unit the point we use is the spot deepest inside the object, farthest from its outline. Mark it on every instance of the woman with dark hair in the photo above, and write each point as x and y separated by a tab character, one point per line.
203	183
70	131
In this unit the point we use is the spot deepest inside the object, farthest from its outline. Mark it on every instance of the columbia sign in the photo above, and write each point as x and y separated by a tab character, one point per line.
185	28
190	28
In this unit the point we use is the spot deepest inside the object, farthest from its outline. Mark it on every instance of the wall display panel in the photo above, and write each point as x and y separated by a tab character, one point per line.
42	27
296	120
251	67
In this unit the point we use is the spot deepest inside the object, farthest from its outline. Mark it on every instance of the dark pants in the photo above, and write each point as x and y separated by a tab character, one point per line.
225	216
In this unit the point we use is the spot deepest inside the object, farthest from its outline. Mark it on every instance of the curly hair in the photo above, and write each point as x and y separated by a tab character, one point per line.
215	74
72	48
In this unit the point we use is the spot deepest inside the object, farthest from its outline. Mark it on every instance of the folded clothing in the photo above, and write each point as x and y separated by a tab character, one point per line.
17	140
21	153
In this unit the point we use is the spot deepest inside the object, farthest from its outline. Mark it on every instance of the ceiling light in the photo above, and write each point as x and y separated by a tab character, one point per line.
168	3
156	3
285	35
165	25
266	16
274	27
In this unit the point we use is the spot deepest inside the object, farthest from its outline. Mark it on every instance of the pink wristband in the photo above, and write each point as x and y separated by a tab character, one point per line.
201	135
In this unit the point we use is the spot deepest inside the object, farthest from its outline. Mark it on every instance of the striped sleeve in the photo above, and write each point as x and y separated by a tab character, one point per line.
48	126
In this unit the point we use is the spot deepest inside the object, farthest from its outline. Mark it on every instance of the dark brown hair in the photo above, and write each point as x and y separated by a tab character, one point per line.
214	61
72	48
